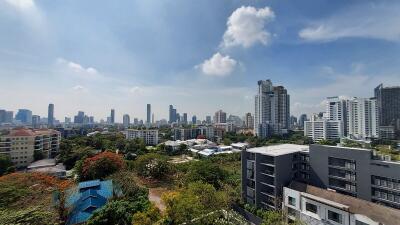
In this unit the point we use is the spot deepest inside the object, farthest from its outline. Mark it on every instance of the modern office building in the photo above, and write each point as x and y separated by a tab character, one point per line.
172	114
208	120
21	144
24	116
388	101
293	122
249	121
302	119
148	118
126	120
323	129
272	109
361	173
112	116
362	118
35	121
185	119
336	110
150	137
220	117
194	119
313	205
50	115
79	118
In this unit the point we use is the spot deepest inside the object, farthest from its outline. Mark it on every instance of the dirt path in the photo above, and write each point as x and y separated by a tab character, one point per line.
155	197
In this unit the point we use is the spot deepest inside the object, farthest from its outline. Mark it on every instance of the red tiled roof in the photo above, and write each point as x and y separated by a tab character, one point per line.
22	132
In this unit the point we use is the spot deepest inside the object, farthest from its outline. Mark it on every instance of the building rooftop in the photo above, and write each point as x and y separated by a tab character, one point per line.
277	150
376	212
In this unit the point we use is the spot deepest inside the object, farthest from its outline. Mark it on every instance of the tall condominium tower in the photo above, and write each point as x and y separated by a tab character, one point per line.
388	101
362	118
336	110
50	115
126	120
249	121
220	117
148	119
112	116
194	119
185	120
272	109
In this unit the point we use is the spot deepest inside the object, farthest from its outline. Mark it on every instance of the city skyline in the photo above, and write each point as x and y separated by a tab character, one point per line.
197	61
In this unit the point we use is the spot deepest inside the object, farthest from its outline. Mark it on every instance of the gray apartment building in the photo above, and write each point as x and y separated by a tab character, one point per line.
351	171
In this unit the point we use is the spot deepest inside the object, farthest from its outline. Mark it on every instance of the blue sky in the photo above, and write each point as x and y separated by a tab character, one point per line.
200	56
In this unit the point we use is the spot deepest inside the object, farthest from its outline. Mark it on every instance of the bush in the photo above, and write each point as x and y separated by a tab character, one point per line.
152	166
100	166
5	164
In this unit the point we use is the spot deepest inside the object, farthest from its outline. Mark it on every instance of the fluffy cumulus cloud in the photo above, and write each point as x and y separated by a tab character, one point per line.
377	21
218	65
246	27
21	4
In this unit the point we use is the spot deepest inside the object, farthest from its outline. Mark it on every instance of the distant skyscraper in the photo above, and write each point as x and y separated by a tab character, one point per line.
388	102
126	120
50	115
272	109
148	119
152	119
172	114
9	116
362	114
36	121
220	117
112	116
24	116
185	120
293	122
208	120
194	119
302	119
249	121
91	119
79	118
2	116
135	121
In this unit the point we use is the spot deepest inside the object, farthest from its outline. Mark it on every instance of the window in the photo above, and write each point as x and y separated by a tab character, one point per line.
334	216
291	201
311	208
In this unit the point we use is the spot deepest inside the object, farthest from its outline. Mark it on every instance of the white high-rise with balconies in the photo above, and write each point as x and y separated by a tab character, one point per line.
362	118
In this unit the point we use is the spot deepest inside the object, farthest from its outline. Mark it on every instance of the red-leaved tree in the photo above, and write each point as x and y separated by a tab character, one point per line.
101	165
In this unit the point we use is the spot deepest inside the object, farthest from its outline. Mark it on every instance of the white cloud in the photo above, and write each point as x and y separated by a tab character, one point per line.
246	27
79	89
377	21
78	69
21	4
218	65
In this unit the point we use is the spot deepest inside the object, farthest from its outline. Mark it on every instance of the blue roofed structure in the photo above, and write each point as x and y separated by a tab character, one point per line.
88	197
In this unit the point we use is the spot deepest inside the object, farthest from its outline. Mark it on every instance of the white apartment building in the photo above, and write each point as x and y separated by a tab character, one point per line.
362	118
323	129
150	137
336	110
316	206
21	144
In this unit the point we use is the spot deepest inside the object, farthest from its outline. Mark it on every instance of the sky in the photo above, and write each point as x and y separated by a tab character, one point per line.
200	56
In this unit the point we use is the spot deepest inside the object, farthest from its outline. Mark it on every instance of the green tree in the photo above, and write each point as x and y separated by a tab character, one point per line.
327	142
207	172
38	155
117	212
5	164
227	141
148	217
126	184
152	166
136	146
